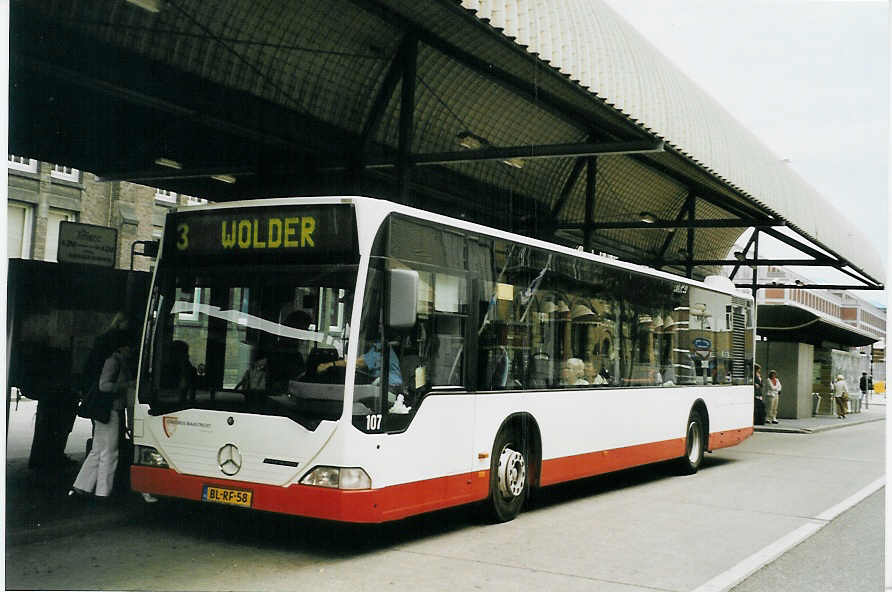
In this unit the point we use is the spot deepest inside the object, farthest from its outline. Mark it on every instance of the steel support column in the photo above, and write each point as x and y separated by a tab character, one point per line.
373	120
755	288
671	234
591	171
568	188
746	249
692	214
408	56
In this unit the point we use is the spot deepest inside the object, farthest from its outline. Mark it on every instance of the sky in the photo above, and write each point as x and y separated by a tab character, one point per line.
809	78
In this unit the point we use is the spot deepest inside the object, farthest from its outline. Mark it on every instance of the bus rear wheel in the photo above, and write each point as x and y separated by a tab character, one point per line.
509	476
694	445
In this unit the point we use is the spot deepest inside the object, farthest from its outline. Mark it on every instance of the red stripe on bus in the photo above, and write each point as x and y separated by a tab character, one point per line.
369	505
568	468
579	466
400	501
729	438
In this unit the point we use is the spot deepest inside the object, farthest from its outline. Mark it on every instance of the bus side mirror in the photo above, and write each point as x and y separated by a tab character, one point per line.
402	299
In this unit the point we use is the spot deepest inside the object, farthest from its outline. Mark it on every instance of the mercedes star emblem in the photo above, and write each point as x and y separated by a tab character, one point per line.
229	459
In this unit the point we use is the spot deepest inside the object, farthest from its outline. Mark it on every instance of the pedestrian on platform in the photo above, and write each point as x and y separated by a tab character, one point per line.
771	391
758	402
97	474
869	385
863	387
841	393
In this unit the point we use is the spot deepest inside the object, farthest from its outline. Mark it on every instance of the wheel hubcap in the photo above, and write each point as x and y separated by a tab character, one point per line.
512	473
694	442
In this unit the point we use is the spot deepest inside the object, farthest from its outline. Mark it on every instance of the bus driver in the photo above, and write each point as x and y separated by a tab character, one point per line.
371	361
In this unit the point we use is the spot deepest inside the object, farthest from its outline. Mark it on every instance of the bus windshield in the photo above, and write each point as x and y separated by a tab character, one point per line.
249	339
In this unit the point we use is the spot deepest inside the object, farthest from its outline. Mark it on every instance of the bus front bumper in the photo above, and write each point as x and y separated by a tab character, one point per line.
361	506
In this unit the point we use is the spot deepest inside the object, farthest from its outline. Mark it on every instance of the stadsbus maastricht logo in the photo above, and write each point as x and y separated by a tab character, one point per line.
170	423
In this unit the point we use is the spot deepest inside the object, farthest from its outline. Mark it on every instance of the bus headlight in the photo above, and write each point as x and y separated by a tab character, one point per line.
148	456
338	478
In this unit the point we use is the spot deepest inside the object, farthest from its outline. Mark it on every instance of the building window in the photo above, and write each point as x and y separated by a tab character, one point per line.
20	163
165	196
195	201
54	218
18	236
65	173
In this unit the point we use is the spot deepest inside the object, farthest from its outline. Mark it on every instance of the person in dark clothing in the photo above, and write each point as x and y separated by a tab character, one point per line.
862	386
180	374
758	403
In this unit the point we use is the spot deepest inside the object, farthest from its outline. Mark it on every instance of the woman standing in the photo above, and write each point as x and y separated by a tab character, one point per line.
97	474
771	393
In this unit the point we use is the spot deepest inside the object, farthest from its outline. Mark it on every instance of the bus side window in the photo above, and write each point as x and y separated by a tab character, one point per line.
447	329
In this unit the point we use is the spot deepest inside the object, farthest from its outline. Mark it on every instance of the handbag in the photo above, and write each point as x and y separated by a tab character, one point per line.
96	405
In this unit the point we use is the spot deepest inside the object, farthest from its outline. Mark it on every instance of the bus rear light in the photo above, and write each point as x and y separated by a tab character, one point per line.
338	478
149	457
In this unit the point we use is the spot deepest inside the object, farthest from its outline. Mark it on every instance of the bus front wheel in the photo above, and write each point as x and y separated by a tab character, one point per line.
509	476
695	444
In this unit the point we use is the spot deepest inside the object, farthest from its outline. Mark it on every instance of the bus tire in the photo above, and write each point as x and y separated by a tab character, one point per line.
509	475
694	444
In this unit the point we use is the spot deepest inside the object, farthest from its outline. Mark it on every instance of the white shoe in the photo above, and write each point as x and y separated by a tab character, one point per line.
149	498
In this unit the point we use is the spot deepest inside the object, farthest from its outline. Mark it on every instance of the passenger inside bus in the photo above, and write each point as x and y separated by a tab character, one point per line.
573	373
286	363
254	381
179	373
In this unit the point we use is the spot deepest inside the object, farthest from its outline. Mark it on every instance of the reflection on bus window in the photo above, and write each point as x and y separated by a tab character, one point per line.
244	341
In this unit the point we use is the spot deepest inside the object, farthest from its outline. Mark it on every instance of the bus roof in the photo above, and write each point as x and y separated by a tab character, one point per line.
384	207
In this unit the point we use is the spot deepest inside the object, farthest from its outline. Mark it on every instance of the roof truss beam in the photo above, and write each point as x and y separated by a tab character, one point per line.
164	174
379	105
813	286
756	262
672	224
841	263
702	191
567	189
131	95
682	213
527	151
752	241
527	89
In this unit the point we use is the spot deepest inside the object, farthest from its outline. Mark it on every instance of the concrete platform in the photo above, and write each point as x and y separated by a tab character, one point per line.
819	423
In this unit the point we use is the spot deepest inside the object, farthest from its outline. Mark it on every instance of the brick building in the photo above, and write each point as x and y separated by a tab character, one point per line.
42	195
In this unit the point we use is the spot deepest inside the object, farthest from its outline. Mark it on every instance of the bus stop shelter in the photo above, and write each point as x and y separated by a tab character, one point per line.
560	122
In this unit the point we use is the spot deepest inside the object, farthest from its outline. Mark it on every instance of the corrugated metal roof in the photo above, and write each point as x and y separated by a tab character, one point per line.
287	96
591	44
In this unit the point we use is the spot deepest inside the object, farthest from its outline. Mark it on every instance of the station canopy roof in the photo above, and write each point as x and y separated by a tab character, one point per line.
786	322
554	119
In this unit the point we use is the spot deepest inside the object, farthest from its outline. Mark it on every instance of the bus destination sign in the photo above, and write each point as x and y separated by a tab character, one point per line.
261	231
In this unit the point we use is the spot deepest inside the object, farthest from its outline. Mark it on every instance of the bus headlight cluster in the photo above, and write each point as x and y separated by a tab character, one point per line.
148	456
338	478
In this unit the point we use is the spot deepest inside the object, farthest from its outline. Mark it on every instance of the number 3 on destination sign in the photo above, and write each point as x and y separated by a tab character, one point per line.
183	241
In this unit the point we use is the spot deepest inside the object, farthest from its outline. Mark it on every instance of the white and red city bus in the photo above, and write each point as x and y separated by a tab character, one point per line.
511	363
